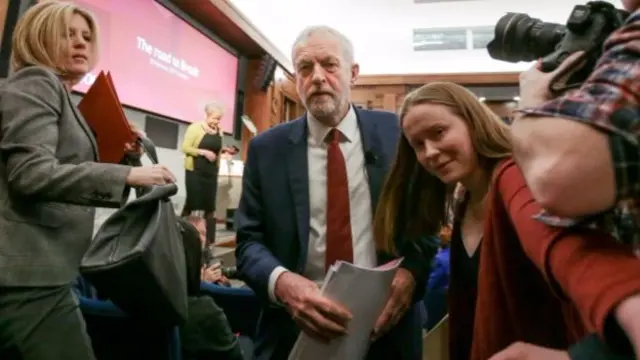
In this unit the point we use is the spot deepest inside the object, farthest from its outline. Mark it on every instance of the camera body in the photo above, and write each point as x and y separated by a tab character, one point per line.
519	37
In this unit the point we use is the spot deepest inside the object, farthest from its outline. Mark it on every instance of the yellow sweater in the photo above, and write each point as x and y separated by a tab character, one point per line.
192	138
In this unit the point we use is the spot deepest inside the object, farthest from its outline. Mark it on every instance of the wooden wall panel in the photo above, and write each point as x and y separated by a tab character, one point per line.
267	108
4	6
256	105
386	92
501	78
283	91
382	97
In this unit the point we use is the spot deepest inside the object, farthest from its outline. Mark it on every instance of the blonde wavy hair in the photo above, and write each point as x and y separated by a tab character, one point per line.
415	203
38	38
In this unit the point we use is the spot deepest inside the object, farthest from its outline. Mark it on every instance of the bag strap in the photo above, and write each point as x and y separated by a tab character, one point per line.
150	149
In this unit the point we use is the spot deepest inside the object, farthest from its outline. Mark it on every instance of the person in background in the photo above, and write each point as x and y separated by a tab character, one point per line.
509	280
435	297
202	146
211	270
439	277
50	181
207	333
309	191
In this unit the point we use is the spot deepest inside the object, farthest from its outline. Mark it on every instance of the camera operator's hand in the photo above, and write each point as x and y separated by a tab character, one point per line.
534	84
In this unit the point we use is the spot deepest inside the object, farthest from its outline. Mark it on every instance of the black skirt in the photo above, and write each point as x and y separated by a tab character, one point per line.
202	181
202	188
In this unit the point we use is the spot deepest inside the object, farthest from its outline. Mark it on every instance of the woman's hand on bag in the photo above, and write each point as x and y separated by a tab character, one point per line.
150	175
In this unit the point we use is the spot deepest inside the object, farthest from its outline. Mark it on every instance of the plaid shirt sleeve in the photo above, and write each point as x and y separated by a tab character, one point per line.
609	100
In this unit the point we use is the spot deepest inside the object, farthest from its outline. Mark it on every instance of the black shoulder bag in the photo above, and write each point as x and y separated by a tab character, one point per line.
136	258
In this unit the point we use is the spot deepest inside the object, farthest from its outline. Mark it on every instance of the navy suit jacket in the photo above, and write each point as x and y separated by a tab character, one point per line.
272	223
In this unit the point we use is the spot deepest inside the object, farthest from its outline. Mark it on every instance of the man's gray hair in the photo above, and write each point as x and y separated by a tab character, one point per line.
345	43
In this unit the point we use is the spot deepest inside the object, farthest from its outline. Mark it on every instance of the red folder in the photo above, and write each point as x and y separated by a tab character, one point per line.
102	110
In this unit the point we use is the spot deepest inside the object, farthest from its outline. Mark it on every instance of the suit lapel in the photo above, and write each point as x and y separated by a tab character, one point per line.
374	157
87	129
298	169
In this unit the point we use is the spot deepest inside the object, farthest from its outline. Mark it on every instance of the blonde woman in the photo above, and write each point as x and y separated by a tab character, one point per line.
504	264
202	147
50	182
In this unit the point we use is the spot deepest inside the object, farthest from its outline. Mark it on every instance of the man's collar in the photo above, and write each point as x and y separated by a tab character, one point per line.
348	127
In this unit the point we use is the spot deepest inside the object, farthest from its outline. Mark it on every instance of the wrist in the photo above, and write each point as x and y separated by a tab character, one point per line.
127	178
279	290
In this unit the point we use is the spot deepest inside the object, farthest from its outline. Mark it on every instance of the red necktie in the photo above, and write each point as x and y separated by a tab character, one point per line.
339	244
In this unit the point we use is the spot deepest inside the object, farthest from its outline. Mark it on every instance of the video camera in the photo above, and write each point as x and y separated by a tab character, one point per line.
519	37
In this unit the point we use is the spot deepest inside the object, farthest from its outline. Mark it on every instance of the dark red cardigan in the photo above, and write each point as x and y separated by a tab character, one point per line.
539	284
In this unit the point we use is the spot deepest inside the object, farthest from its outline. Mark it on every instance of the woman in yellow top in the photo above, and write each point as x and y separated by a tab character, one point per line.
202	146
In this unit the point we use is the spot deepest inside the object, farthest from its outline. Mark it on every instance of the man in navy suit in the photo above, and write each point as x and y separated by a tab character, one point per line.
309	192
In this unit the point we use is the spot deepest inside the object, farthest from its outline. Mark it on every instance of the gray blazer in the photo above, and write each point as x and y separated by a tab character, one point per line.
50	181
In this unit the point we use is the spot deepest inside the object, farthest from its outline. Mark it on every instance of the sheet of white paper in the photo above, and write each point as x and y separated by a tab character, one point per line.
364	292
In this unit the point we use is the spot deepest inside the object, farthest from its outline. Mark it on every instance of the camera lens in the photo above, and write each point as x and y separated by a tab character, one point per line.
518	37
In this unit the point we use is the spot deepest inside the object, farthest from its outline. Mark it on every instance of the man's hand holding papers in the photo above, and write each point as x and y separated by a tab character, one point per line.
319	317
364	291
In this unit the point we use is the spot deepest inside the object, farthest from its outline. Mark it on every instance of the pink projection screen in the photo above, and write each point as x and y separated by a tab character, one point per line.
160	63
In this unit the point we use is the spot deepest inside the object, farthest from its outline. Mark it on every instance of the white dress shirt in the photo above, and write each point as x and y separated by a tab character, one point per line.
364	252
